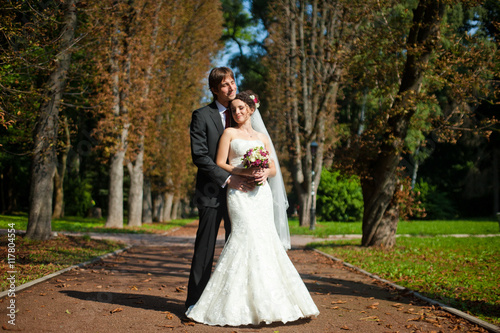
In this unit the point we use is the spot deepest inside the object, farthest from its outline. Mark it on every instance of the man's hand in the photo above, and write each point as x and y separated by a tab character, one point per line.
241	183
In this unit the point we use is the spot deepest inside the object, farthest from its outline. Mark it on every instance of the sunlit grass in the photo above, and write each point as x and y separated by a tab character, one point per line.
414	228
80	224
460	272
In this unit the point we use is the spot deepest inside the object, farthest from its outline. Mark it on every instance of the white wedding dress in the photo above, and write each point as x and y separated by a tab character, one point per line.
254	280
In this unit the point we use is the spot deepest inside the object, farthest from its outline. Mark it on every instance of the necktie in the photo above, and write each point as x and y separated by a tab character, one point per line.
228	119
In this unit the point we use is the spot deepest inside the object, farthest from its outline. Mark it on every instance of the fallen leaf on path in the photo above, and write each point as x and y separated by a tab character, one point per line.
345	328
133	288
67	311
7	328
166	326
371	318
373	306
397	305
168	315
180	289
116	310
338	302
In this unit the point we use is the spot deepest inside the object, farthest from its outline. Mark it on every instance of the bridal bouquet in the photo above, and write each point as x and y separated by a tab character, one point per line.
256	157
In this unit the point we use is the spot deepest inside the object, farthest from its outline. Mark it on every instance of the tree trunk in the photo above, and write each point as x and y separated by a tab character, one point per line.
135	168
2	194
381	209
168	199
312	73
176	208
12	205
59	175
147	202
158	207
44	158
380	217
304	208
414	173
120	90
135	196
115	199
496	184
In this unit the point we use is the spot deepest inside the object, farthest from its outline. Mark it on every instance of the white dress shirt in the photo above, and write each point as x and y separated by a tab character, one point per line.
222	108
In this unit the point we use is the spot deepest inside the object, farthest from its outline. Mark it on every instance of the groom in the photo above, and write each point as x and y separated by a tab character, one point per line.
207	125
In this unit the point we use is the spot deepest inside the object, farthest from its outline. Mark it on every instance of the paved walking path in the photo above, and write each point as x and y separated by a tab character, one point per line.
143	290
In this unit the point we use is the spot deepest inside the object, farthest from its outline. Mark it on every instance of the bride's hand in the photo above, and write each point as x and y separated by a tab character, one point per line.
261	175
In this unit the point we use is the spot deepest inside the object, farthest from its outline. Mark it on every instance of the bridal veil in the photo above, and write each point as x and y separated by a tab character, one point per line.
280	201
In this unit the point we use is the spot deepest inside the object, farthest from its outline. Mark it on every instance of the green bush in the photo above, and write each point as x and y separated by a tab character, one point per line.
436	204
339	197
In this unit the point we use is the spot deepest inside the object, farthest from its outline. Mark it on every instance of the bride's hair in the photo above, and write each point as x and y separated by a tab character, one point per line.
248	97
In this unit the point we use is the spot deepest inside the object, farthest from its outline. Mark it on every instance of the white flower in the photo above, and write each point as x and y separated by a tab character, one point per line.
257	104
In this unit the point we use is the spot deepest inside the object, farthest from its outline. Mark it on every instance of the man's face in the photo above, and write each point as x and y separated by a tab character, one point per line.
226	91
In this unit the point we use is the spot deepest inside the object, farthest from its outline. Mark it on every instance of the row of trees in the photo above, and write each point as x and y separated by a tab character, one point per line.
112	83
387	77
108	88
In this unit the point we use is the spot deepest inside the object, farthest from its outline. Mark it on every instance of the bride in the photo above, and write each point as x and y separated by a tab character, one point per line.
254	280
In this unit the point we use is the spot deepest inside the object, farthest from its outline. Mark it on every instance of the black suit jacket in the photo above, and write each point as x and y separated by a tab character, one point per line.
206	129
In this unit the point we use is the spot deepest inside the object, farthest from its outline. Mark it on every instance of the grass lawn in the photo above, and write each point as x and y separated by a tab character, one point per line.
460	272
415	228
80	224
35	259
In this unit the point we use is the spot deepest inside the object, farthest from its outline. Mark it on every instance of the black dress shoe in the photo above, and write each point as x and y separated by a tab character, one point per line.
186	320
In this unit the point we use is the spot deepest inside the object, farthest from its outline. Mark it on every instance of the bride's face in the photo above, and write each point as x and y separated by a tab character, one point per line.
241	111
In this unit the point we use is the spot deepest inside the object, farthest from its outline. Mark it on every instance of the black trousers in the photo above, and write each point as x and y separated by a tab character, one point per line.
204	248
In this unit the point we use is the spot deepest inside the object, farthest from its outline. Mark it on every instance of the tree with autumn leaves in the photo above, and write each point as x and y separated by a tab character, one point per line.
151	88
43	97
415	69
133	93
425	77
